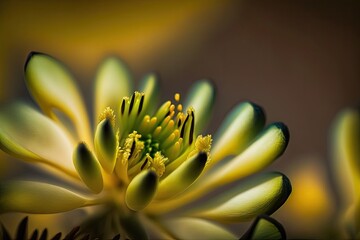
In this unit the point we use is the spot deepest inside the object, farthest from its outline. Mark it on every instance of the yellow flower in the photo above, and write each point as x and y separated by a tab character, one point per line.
148	167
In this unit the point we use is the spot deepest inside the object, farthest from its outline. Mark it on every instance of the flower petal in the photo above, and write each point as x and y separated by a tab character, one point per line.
201	97
36	197
53	87
267	147
141	190
88	168
106	145
239	128
265	227
193	228
182	177
113	82
150	86
346	151
263	194
29	135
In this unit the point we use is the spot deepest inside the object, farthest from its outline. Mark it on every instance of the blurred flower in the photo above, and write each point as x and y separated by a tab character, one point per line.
311	202
145	171
346	166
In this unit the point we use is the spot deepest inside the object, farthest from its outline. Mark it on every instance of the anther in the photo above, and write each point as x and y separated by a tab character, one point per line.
177	97
141	104
132	102
122	106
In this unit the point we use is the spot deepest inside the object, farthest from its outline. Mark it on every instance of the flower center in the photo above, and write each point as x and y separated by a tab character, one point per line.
161	141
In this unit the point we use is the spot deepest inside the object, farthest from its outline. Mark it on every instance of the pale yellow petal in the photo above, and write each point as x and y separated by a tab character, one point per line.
346	154
265	227
113	82
36	197
268	146
262	194
194	228
141	190
88	168
106	145
53	88
150	86
239	128
182	177
29	135
201	97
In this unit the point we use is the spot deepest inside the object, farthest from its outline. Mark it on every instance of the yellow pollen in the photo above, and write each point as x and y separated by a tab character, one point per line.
108	113
177	97
172	108
158	164
179	107
203	144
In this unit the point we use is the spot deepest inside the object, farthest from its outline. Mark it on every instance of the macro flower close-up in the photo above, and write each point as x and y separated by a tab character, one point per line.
141	168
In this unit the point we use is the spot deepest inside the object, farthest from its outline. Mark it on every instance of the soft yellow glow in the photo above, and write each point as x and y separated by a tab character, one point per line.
310	204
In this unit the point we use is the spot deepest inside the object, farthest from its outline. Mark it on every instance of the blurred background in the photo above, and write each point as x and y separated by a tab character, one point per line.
299	60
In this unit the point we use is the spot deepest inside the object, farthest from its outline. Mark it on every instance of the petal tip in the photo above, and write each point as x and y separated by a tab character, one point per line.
30	56
284	129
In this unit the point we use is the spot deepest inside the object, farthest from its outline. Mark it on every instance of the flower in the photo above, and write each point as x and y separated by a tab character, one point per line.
149	169
346	170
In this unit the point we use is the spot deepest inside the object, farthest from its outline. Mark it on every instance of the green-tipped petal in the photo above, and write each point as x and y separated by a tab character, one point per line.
201	97
53	87
150	86
265	227
113	82
268	146
141	190
48	144
261	195
88	168
239	128
182	177
193	228
346	149
106	145
36	197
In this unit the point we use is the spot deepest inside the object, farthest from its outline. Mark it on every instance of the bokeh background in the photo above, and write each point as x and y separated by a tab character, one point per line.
298	59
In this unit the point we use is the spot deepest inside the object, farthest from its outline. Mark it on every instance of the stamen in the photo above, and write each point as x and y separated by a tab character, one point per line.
191	136
179	107
132	102
141	104
145	162
123	106
158	164
177	97
108	113
183	127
